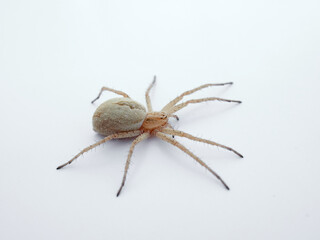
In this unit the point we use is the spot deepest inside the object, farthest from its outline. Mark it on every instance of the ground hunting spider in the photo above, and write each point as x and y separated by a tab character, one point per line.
125	118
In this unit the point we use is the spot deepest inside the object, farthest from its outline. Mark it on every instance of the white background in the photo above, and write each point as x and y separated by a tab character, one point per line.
56	55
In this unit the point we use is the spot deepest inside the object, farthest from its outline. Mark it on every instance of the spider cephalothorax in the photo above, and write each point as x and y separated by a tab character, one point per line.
124	118
154	120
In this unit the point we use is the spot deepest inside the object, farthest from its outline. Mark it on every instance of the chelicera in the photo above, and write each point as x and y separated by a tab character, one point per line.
125	118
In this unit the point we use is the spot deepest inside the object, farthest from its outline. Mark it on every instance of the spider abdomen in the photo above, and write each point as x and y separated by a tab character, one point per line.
118	115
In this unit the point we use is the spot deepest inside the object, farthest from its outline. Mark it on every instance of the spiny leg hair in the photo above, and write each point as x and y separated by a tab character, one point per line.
184	104
186	135
138	139
180	97
175	143
112	136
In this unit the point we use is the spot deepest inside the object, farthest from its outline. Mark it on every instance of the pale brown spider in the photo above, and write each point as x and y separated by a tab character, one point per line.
125	118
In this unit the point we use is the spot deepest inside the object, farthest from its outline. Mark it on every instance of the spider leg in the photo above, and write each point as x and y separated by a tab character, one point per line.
184	104
180	97
175	116
170	127
112	136
110	90
149	106
184	149
138	139
186	135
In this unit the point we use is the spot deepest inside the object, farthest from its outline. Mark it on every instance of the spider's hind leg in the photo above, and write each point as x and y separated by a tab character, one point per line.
110	90
148	101
113	136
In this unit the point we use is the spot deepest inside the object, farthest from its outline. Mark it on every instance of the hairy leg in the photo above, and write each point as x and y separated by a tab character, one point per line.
180	97
110	90
184	104
149	106
140	138
186	135
112	136
169	126
184	149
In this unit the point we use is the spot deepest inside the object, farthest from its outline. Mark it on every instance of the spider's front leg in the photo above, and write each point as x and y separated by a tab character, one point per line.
175	143
180	97
186	103
174	132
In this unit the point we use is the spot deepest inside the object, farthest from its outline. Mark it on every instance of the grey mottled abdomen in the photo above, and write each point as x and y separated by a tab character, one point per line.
118	115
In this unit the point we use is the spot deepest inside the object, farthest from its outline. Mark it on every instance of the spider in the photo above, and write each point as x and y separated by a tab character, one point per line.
125	118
